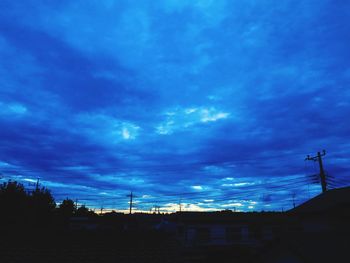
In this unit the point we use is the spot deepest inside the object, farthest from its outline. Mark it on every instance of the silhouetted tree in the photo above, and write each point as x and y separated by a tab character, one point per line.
42	205
84	211
67	208
13	202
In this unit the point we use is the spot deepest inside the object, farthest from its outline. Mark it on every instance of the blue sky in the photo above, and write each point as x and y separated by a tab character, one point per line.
214	103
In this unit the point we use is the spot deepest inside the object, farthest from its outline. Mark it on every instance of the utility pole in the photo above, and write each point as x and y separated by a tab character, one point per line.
130	202
318	158
293	196
156	209
37	184
180	205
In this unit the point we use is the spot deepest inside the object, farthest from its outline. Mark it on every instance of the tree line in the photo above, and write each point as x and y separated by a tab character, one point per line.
38	207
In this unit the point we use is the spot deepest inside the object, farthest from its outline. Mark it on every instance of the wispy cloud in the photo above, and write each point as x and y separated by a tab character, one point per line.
208	98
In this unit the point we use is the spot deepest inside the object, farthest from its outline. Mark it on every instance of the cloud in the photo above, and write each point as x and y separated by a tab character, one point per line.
197	187
179	119
212	96
105	129
12	109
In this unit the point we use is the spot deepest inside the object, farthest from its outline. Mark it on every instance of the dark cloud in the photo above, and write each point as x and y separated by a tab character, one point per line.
217	100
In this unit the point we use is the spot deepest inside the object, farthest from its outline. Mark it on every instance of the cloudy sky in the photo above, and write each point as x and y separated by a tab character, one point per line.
211	104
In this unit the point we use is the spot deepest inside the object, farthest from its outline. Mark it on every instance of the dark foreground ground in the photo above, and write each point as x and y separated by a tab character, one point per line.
149	246
314	232
64	246
107	246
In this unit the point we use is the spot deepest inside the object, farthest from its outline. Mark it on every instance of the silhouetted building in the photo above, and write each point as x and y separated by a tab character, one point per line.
323	234
229	229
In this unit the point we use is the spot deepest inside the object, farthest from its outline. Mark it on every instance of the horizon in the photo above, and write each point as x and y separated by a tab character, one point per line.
204	105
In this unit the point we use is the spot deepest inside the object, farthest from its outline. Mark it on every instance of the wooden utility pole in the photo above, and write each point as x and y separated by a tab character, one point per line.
293	196
130	202
318	158
157	209
37	184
